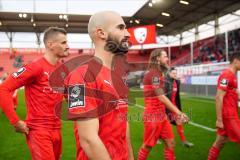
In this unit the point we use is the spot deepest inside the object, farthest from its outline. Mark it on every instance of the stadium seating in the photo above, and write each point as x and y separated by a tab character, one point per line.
204	51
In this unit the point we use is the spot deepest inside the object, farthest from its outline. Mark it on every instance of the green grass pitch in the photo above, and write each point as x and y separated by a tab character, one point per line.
200	110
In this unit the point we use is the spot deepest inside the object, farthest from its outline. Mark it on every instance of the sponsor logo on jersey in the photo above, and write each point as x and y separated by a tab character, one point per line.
224	83
76	96
19	72
105	81
156	80
46	73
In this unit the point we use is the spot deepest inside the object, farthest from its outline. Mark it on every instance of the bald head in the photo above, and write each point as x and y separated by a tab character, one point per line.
102	20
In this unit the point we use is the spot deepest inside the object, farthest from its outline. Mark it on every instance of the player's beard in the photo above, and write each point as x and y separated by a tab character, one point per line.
115	46
163	67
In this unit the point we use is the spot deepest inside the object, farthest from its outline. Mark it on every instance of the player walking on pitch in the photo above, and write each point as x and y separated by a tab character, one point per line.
156	123
100	133
228	122
172	89
42	127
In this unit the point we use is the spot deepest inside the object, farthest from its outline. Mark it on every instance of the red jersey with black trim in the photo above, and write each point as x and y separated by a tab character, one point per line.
227	82
174	92
153	79
94	95
40	98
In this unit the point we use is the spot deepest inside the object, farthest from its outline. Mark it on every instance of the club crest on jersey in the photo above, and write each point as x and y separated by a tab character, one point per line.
19	72
155	81
224	83
76	96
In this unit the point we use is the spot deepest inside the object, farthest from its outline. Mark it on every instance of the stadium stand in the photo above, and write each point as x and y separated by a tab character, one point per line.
200	36
207	50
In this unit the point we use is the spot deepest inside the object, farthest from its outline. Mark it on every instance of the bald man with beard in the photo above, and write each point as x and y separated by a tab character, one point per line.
101	133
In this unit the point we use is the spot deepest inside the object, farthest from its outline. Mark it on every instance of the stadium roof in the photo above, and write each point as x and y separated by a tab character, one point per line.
74	15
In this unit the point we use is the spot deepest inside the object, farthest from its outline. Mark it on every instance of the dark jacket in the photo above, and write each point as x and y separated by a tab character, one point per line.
168	91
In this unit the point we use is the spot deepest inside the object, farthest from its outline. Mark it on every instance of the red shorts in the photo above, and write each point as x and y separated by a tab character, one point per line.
45	145
157	130
231	129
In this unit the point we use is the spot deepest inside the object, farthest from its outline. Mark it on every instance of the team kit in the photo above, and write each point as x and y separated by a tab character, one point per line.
94	92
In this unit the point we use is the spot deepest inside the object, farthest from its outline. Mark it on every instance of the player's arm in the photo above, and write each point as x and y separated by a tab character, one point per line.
15	93
88	128
238	93
160	93
16	80
90	141
219	103
166	101
130	150
6	100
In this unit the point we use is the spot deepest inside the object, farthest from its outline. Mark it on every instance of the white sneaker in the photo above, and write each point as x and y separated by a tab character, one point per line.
187	144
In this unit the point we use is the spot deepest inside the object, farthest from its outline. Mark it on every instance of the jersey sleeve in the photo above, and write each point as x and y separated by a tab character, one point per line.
224	82
153	84
81	95
23	76
154	80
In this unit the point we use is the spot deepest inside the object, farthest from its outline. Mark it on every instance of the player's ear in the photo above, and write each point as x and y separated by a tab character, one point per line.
49	44
101	33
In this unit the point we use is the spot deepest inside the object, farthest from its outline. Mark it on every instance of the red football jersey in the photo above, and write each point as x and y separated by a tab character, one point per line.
227	82
174	92
40	98
92	94
152	80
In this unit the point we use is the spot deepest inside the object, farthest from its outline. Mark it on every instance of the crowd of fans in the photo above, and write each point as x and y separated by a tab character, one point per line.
233	41
211	50
214	49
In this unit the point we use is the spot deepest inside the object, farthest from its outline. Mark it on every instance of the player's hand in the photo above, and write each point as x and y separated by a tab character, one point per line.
219	124
21	127
182	118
